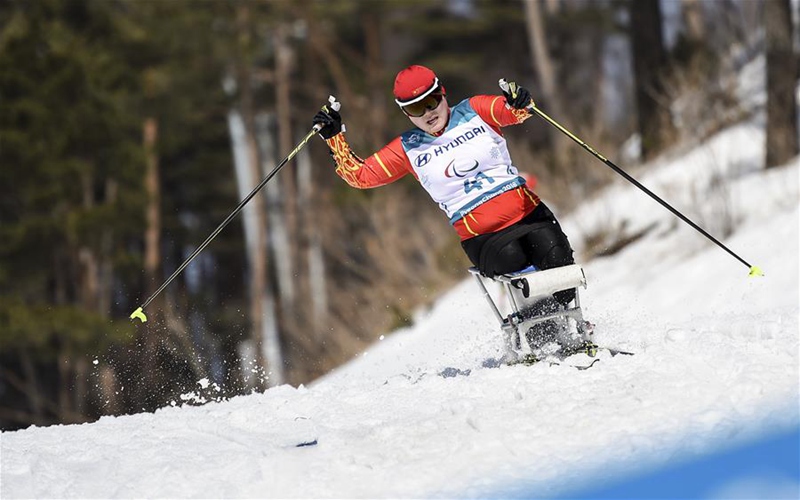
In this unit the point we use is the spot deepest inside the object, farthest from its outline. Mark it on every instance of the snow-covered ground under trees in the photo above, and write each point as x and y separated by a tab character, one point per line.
715	366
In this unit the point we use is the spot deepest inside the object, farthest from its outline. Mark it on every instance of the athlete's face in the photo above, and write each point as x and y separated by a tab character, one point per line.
433	120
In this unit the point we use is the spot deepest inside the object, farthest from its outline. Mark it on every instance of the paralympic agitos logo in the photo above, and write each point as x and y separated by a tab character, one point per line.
451	170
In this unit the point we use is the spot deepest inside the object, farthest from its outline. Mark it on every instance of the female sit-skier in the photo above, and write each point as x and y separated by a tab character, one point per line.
460	157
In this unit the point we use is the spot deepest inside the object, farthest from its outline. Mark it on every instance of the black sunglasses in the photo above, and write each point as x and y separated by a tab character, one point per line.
430	102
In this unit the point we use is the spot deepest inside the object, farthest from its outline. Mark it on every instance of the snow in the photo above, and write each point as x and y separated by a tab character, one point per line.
715	364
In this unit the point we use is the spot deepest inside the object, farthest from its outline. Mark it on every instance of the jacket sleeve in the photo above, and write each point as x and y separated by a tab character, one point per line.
389	164
494	111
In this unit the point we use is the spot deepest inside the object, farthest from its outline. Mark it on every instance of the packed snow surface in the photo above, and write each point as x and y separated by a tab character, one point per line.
716	363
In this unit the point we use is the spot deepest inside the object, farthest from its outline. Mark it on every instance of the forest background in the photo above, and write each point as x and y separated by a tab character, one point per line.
129	129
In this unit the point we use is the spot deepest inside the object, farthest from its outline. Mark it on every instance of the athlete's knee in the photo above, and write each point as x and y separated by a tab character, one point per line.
559	255
509	259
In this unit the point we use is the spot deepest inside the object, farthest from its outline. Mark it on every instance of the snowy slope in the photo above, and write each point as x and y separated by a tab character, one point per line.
716	363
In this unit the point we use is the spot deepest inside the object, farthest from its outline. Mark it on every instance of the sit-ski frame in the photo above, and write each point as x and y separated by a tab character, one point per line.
524	289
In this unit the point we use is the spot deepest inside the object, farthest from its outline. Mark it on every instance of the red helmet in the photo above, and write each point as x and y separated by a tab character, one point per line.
413	84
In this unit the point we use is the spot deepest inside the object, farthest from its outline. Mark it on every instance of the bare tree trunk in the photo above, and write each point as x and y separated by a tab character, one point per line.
649	64
371	22
598	84
288	196
315	283
537	39
107	385
282	206
254	221
148	341
782	142
281	250
248	174
106	259
152	235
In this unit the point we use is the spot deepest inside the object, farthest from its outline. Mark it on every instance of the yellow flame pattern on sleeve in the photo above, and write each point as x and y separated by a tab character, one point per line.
347	162
521	114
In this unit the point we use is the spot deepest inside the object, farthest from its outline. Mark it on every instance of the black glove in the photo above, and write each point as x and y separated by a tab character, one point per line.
331	122
518	97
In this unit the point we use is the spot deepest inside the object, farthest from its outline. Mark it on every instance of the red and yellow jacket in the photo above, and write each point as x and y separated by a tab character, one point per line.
500	204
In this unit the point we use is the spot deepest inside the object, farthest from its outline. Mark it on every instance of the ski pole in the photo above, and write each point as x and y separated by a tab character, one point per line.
754	270
139	313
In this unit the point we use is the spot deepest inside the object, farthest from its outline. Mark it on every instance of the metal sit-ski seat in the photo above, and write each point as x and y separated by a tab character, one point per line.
526	291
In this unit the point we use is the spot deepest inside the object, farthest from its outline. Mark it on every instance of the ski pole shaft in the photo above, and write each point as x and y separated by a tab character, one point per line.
754	270
139	313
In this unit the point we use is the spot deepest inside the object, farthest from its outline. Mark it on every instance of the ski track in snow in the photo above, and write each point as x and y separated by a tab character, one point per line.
716	363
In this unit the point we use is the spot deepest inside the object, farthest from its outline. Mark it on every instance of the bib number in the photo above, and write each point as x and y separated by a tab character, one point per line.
476	183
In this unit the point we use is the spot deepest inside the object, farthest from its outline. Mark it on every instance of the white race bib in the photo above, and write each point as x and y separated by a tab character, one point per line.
466	166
